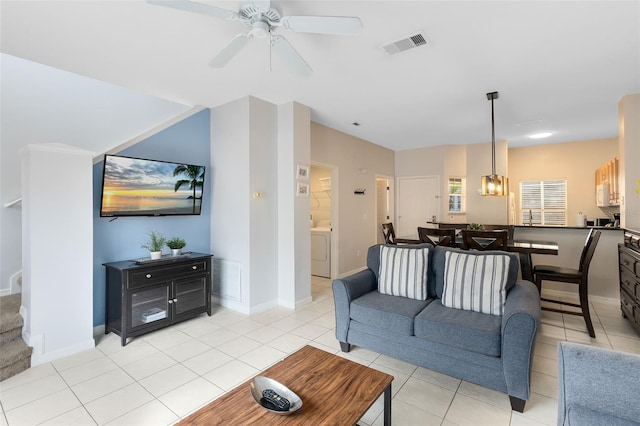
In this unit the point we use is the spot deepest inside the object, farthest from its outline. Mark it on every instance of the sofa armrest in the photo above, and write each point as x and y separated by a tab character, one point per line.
344	291
596	386
520	323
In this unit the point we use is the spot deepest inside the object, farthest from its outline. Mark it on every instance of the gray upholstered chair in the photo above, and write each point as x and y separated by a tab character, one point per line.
597	386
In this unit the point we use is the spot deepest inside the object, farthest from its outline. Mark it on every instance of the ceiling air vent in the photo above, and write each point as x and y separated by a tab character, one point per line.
407	43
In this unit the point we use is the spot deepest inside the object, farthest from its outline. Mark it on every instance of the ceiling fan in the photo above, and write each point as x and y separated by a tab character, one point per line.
263	20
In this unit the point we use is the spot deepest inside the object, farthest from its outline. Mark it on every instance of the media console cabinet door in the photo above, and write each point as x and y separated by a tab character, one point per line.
146	296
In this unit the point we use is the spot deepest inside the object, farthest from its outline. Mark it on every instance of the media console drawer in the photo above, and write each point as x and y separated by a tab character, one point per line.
149	274
142	297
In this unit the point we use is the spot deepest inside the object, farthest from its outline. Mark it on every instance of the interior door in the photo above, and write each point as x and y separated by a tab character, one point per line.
418	202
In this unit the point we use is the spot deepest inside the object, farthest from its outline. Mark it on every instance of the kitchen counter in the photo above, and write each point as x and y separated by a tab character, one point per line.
603	272
602	228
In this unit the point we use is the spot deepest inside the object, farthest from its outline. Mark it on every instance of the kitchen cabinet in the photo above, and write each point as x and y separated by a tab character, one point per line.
609	174
145	295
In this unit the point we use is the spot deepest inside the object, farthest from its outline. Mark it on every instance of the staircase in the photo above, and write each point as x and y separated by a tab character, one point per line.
15	355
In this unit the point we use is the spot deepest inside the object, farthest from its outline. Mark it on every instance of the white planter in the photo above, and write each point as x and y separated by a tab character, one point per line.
155	255
176	252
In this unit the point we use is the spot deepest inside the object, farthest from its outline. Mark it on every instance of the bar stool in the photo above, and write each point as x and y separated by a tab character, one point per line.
571	276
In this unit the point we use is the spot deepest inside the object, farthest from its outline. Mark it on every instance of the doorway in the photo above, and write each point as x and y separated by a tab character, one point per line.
322	207
418	203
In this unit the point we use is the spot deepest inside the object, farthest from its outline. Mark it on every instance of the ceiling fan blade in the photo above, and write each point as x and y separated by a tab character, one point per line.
290	56
261	5
191	6
229	51
341	25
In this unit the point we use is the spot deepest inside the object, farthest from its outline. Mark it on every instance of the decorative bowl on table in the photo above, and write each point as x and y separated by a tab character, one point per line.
260	383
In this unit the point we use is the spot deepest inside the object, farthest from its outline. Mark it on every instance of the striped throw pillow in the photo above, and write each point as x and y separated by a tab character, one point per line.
403	271
475	282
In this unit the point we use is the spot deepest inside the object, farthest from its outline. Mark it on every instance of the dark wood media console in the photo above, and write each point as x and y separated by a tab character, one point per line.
143	296
629	267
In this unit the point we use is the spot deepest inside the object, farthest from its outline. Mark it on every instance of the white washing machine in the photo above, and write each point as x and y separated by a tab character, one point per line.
321	249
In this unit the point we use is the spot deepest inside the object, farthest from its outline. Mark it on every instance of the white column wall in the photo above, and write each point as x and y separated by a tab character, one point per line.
294	238
57	250
261	245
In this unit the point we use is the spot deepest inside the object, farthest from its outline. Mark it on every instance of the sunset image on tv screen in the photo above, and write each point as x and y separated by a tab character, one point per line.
133	186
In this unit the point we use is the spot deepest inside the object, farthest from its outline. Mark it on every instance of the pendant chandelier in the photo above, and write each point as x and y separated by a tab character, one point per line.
494	185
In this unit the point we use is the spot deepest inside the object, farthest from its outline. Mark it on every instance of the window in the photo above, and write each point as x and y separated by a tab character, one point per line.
543	202
456	195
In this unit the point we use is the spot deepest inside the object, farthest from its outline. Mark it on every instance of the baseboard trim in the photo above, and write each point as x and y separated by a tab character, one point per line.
39	357
98	331
353	271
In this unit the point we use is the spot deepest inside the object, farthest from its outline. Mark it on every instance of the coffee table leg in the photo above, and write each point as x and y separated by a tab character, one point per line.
387	405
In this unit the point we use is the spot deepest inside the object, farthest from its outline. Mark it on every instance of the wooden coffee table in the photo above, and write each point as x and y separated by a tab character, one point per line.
333	390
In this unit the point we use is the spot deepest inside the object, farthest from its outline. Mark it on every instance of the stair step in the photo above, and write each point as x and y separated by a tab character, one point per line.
15	356
10	335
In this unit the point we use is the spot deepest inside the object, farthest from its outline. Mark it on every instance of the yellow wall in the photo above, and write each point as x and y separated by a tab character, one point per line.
574	161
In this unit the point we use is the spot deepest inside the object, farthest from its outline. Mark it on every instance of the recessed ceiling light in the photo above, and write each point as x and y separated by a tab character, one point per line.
540	135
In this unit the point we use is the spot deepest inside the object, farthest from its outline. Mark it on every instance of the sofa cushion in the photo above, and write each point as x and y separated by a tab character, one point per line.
373	263
468	330
388	312
438	265
403	271
475	283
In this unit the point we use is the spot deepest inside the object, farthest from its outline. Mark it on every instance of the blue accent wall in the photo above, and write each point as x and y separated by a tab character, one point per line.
189	142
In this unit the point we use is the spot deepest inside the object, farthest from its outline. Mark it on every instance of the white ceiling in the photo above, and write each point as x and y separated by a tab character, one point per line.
560	66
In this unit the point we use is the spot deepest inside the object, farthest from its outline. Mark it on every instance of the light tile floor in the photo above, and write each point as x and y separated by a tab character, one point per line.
161	377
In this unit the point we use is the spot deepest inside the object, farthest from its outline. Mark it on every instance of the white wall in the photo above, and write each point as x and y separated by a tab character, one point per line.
357	162
294	238
57	250
41	104
575	161
230	198
490	210
261	244
629	112
468	161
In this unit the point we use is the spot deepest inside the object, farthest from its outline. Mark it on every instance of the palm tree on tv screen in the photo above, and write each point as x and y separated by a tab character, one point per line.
195	179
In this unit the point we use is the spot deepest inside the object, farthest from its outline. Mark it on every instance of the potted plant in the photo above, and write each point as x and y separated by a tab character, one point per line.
154	244
176	244
476	226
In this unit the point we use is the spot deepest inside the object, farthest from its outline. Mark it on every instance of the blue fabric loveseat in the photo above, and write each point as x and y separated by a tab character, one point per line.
401	306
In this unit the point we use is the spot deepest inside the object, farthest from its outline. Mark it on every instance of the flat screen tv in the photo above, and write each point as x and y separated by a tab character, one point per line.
140	187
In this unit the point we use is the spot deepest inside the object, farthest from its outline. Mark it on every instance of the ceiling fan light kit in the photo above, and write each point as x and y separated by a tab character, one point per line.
493	184
263	20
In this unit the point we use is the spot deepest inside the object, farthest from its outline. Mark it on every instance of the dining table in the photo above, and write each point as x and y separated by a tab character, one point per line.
524	248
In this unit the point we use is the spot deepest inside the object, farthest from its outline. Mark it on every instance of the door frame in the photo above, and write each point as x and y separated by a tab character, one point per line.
392	202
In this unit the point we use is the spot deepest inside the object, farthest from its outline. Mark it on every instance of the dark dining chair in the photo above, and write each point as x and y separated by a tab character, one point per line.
578	276
437	237
509	228
484	240
389	235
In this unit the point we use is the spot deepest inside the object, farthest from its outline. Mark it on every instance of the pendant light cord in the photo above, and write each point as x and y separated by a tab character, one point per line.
493	141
